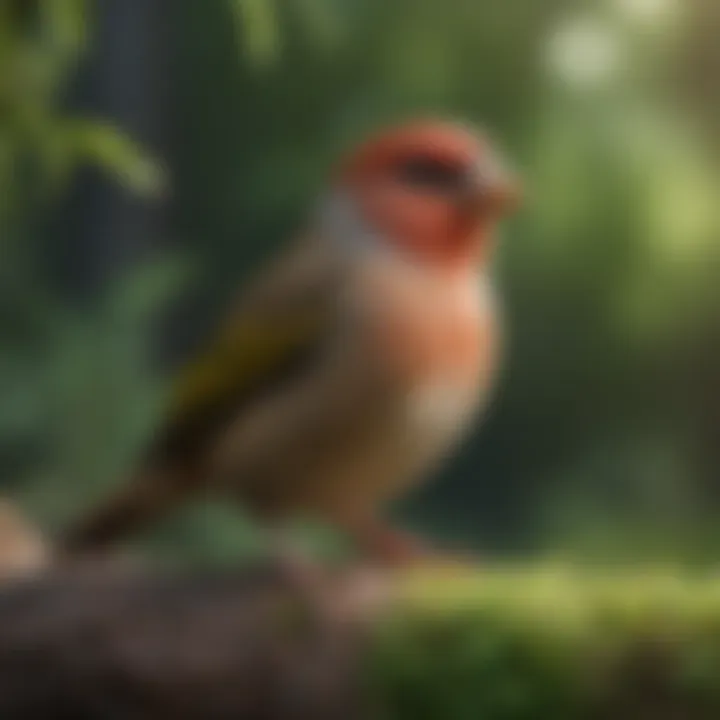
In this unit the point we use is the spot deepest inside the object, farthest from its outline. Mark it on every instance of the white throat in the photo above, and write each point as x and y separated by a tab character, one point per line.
340	221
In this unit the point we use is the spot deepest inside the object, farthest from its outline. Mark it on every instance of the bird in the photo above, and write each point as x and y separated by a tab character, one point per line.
353	363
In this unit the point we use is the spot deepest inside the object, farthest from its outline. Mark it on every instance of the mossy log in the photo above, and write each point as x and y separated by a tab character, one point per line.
441	644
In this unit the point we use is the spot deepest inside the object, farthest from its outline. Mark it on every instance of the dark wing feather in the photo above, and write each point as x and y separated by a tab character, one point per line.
274	331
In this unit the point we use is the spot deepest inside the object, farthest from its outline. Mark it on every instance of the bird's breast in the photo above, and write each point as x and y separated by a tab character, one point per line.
437	335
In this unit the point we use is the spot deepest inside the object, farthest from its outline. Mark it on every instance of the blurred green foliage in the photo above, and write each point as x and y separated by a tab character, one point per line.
604	435
549	643
73	382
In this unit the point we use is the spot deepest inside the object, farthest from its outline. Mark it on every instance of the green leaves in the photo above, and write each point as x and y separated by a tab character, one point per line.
536	643
257	28
140	295
91	397
77	383
103	145
39	50
260	25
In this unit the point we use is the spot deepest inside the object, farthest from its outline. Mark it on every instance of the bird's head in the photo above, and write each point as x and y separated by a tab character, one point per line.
433	190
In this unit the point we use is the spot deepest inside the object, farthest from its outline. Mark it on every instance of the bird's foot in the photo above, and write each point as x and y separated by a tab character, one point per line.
396	549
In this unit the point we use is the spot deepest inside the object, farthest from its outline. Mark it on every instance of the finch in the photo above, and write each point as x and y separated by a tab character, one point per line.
353	364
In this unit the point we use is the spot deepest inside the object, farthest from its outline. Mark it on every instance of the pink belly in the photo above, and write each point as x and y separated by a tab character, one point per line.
433	327
443	345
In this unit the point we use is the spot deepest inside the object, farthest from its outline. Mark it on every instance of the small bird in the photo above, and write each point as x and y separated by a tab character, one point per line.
351	367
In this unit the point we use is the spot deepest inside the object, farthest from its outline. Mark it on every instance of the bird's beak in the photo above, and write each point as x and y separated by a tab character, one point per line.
492	190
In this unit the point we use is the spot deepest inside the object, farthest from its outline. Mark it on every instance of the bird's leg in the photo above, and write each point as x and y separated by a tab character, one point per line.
393	548
327	594
386	545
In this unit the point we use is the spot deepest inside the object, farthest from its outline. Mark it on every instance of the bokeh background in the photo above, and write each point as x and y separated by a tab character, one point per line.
154	152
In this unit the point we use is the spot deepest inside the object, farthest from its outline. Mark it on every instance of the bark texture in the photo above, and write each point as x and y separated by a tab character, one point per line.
263	642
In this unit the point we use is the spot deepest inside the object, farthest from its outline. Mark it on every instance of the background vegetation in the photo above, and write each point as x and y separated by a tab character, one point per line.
603	441
546	643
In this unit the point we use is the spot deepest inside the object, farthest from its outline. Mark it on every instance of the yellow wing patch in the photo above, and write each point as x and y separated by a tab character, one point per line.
241	357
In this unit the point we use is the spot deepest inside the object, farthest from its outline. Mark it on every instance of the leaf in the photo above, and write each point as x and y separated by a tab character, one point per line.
65	24
144	291
105	146
21	412
257	23
319	18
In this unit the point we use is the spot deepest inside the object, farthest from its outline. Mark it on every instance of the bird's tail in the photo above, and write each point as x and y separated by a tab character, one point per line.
148	497
23	550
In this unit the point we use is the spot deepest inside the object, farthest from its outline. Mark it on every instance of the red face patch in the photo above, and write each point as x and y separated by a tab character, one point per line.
420	187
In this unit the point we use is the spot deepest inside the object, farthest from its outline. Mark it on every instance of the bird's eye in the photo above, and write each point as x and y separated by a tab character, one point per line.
430	174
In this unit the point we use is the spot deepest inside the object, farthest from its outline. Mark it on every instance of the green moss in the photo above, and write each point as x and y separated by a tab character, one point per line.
526	645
